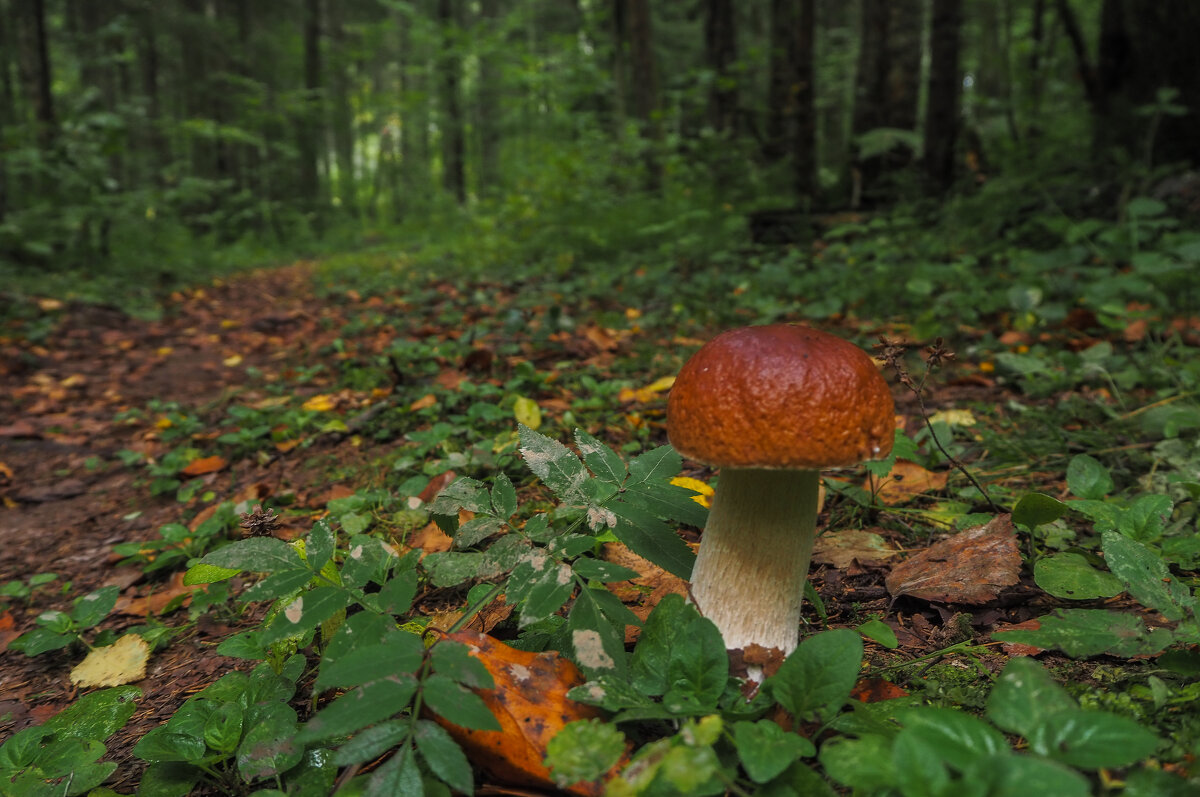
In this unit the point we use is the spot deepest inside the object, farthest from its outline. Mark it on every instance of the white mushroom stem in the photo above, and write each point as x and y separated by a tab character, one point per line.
749	575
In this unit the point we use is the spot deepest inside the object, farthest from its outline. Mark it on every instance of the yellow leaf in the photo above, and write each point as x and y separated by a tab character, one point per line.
232	362
319	403
229	323
428	400
164	422
702	490
163	351
661	384
49	305
953	417
122	662
527	412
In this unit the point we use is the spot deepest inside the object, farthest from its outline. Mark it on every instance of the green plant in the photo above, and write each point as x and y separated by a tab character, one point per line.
177	544
24	590
56	630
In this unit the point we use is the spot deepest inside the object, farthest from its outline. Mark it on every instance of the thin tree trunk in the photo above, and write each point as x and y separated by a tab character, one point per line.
620	65
341	111
310	132
488	102
804	145
720	47
945	86
453	147
781	95
34	67
155	143
644	74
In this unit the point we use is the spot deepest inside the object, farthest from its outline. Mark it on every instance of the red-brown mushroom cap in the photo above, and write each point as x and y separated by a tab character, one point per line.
780	396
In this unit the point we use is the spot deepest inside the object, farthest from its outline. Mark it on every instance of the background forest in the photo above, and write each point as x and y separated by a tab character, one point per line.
336	341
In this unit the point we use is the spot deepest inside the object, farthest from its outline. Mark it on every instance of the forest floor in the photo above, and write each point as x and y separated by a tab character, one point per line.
82	386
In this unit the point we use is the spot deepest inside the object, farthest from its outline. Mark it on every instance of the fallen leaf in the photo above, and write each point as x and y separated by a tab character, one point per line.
643	593
8	630
232	361
953	417
122	662
199	467
876	690
156	599
321	402
428	400
530	703
429	539
703	492
907	480
1020	648
648	393
527	411
841	548
971	567
5	471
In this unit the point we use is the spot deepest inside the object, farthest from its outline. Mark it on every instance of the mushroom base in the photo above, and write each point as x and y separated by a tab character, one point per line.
753	562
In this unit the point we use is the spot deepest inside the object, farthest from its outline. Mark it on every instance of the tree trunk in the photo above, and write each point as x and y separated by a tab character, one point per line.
804	144
620	65
488	101
945	87
33	65
341	110
720	48
453	147
644	75
310	131
155	154
1145	47
781	94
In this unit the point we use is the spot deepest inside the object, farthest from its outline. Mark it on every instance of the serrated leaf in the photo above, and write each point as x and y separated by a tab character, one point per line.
1146	575
504	497
444	757
305	613
402	653
277	585
548	589
457	704
555	465
599	570
584	750
361	707
257	554
320	544
652	539
398	777
605	463
269	747
370	743
454	660
476	530
656	465
451	568
462	493
596	643
201	573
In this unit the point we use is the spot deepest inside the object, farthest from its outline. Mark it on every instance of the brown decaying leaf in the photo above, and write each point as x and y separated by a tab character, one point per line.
530	703
156	598
840	548
876	690
1019	648
907	480
971	567
643	593
199	467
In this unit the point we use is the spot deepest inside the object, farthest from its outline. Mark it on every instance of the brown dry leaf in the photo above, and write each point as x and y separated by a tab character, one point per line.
530	703
907	480
155	600
449	379
643	593
876	690
429	539
841	548
199	467
122	662
1019	648
971	567
8	630
428	400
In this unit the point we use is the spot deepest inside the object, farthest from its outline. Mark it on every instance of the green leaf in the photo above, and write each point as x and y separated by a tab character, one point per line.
816	679
879	632
94	607
320	544
597	645
269	747
40	640
402	653
223	728
554	464
1089	632
600	459
766	750
1007	775
277	585
477	530
663	499
305	613
527	412
1146	518
656	466
863	764
584	750
398	777
1092	739
1087	478
444	757
541	585
397	594
1024	696
504	497
361	707
454	660
920	767
258	555
1146	575
1070	575
650	538
599	570
451	568
201	573
457	704
698	669
169	779
462	493
96	715
370	743
1036	509
959	738
655	647
162	744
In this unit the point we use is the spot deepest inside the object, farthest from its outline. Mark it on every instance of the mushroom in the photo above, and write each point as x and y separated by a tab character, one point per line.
770	406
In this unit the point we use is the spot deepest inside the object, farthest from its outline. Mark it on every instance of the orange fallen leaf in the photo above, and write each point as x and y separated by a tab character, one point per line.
199	467
155	600
530	703
876	690
908	480
971	567
1020	648
428	400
